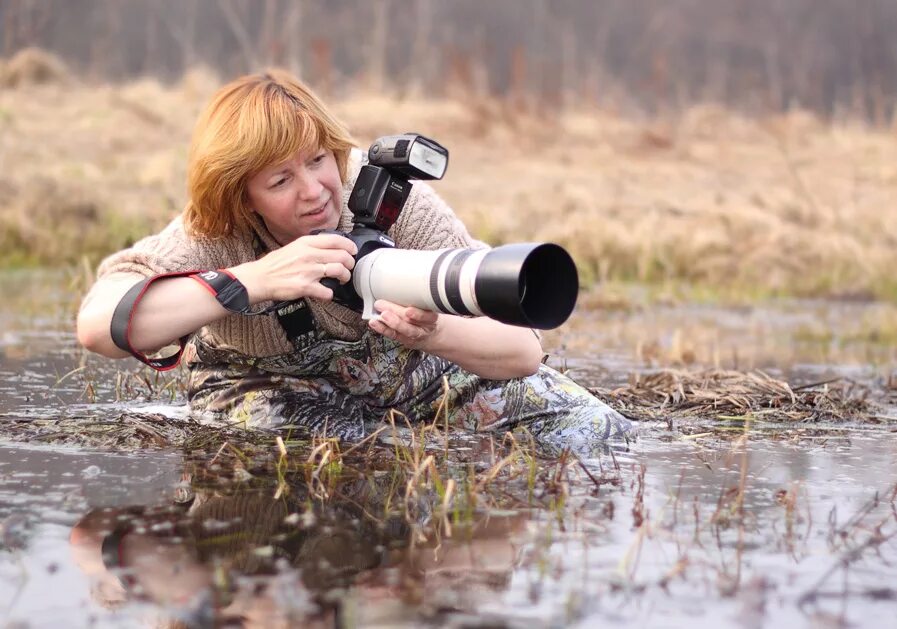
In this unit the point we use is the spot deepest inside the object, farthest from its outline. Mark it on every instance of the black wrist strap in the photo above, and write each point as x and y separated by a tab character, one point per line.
226	288
120	328
230	293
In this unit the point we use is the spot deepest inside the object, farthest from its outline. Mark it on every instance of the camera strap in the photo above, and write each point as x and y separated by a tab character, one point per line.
294	316
120	327
227	289
296	319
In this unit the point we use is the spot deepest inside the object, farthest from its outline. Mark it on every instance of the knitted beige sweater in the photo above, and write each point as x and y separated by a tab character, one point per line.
426	222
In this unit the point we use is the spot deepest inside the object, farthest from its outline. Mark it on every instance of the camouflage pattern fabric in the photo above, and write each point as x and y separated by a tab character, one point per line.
346	388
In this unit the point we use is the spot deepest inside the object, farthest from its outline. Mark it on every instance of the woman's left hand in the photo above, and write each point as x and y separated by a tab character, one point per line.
410	326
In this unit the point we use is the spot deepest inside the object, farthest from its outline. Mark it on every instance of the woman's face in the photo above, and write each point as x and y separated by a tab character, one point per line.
298	195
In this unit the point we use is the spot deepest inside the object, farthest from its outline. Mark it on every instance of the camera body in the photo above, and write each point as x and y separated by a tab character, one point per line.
379	194
528	284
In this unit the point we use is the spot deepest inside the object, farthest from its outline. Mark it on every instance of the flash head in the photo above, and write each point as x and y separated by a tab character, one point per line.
411	155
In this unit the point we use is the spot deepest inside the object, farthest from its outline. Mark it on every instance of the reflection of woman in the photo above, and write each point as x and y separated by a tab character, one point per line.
223	555
269	164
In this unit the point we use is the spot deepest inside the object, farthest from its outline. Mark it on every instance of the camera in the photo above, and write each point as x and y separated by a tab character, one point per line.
527	284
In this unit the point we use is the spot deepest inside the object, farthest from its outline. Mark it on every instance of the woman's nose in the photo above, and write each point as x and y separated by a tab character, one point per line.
309	187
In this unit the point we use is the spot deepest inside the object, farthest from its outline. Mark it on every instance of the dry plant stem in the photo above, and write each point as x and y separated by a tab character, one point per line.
638	504
585	469
742	483
369	439
217	454
875	540
800	185
629	563
677	499
719	394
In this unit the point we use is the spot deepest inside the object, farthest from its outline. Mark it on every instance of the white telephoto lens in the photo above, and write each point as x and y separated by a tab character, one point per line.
441	280
529	284
397	275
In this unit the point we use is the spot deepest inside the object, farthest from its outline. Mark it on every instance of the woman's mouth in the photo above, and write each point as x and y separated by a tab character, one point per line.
317	211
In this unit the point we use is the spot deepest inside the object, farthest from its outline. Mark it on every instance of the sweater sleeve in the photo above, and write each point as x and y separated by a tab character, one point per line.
427	222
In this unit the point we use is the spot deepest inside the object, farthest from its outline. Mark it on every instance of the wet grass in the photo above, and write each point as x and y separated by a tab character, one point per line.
438	484
671	396
455	470
660	533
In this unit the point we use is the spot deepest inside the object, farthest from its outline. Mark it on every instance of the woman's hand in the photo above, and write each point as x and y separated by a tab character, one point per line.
480	345
410	326
296	269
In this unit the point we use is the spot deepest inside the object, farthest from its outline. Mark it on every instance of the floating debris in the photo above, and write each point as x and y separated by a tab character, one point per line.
122	431
14	532
665	395
91	471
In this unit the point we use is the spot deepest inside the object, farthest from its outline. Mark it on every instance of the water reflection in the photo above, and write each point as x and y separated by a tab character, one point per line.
242	557
757	532
43	491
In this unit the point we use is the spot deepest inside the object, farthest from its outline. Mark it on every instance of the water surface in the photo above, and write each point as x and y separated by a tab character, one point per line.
765	528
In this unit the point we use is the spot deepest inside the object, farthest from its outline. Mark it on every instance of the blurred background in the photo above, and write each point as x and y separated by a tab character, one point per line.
758	56
738	146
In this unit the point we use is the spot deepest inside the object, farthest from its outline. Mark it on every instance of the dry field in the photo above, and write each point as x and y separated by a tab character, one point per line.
786	204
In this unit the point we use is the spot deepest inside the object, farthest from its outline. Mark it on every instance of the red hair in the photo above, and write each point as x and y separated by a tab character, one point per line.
251	123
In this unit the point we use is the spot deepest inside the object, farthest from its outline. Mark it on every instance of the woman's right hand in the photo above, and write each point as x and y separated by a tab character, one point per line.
295	270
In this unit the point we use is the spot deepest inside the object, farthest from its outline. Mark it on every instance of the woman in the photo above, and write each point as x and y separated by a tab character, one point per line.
269	164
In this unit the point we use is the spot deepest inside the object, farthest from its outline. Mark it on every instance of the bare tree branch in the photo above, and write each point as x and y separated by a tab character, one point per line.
238	28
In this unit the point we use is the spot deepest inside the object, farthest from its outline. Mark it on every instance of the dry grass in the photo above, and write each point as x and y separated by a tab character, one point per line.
720	394
783	204
32	66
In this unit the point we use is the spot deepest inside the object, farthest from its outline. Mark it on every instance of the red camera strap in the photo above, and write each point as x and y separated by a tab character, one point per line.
120	328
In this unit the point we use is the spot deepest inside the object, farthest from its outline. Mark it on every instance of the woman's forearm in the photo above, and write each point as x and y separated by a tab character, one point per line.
170	308
486	347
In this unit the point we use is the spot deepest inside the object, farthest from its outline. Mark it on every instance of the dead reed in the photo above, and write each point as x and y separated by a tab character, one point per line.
721	394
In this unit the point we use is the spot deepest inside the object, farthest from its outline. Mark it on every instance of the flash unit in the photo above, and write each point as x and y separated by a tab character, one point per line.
410	154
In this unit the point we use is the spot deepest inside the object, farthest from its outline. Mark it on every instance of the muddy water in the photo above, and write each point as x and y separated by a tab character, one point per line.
707	530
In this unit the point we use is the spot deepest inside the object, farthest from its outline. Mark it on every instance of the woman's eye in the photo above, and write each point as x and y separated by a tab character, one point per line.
319	158
279	182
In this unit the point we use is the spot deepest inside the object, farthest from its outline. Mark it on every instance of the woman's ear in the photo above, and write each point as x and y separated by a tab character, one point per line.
246	199
248	207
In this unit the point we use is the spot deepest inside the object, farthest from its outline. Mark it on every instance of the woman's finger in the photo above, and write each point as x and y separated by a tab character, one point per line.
383	305
420	317
336	271
333	256
329	241
316	290
381	328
